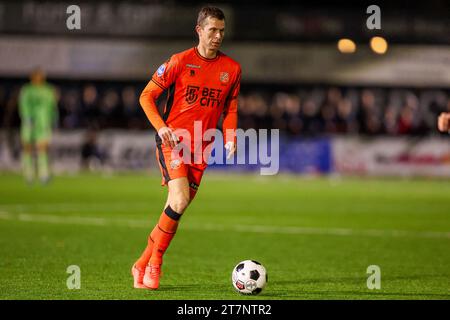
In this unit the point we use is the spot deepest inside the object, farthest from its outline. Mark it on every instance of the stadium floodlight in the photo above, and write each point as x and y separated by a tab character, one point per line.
379	45
346	46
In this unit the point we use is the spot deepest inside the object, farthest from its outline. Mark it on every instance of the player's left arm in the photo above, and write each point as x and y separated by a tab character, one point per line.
230	117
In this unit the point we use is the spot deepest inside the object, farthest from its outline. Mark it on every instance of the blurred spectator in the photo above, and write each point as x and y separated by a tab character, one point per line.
109	110
345	121
406	120
91	110
258	107
131	109
369	113
409	121
284	113
11	115
91	156
390	120
11	120
71	109
277	111
329	109
292	107
328	114
311	119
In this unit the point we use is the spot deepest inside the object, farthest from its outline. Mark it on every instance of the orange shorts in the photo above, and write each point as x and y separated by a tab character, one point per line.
172	168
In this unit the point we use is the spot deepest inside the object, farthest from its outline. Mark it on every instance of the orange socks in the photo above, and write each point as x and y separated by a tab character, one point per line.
167	226
160	238
168	221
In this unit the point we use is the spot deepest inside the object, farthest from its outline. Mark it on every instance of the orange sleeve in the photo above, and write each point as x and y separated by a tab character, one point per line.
147	100
162	79
230	118
167	73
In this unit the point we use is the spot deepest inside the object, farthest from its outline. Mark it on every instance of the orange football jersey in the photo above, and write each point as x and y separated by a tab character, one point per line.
199	89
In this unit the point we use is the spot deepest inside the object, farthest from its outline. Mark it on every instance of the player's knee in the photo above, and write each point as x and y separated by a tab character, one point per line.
180	203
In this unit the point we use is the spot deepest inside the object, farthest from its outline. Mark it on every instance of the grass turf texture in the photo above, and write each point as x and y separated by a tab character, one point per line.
316	237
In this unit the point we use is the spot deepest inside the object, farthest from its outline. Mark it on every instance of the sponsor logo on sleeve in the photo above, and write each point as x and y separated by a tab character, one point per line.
161	70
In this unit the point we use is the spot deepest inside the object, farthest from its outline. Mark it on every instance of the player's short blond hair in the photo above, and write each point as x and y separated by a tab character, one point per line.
209	11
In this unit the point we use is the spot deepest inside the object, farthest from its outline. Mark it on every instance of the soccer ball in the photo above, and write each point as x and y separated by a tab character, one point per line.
249	277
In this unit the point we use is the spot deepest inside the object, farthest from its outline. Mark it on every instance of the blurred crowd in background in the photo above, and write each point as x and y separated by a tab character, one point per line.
296	110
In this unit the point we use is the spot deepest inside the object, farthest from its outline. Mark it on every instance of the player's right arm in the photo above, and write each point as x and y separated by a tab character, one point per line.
148	100
161	80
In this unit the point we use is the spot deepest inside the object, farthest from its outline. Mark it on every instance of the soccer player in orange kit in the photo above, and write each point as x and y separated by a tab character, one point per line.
202	83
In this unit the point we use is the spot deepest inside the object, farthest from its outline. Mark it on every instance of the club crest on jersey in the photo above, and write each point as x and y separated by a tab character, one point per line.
175	164
161	70
224	77
192	94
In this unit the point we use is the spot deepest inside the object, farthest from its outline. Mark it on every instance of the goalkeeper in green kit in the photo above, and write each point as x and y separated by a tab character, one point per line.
38	113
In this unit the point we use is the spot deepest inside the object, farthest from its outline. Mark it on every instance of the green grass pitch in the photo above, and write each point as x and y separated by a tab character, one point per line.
315	236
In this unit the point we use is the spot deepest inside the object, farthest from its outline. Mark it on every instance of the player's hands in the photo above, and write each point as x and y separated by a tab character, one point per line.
444	122
231	148
167	136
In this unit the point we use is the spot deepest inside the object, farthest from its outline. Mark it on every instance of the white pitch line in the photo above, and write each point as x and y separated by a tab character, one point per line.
140	223
80	220
67	206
